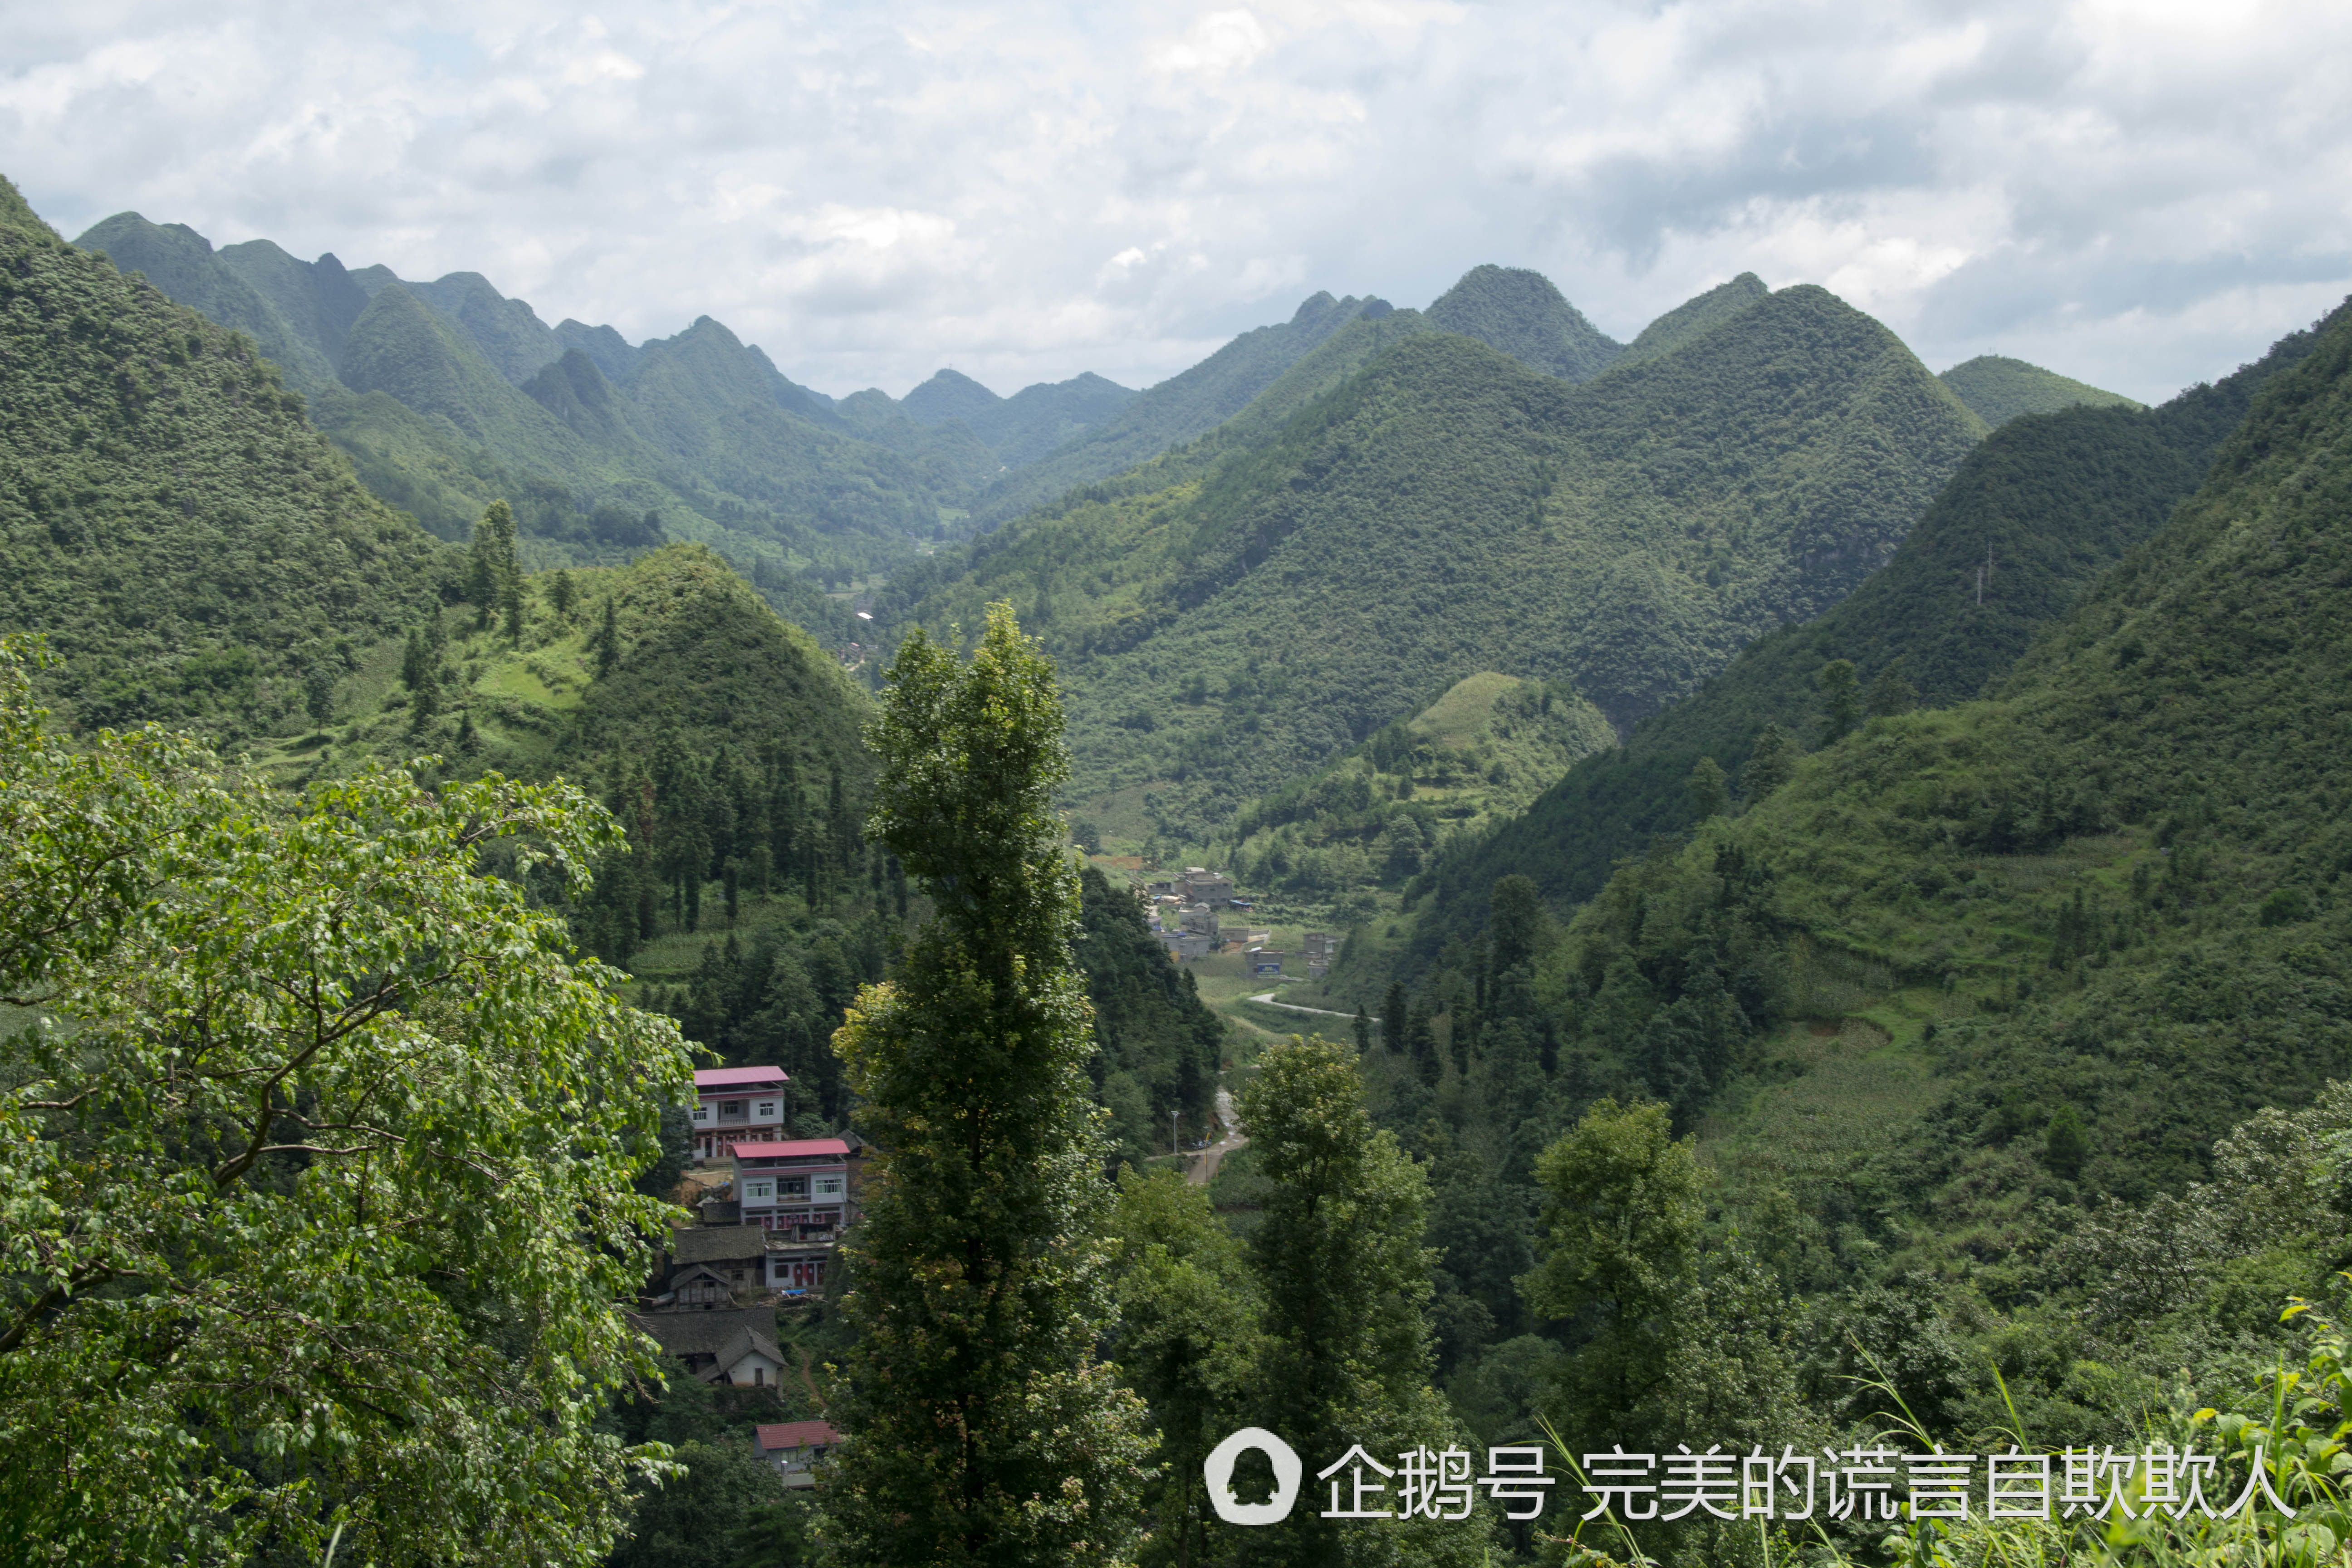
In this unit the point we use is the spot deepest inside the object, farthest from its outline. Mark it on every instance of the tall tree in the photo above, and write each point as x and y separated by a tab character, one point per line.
983	1430
1346	1284
1841	700
1187	1341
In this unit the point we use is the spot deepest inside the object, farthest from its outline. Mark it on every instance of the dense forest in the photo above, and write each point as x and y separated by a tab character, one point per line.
2032	516
1445	511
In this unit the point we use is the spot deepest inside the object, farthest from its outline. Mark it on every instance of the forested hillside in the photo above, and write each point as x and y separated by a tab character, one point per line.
1186	405
1445	511
192	548
2000	389
2038	513
1944	988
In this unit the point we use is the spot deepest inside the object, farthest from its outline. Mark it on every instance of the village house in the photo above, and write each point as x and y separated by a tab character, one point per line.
1320	951
799	1194
731	1104
795	1448
736	1347
1202	886
1265	962
711	1266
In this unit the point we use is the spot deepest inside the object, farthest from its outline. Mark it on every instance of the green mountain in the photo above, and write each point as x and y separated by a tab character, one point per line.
2001	389
2048	503
193	548
1522	314
1443	510
1025	426
1183	407
463	397
2110	897
1696	316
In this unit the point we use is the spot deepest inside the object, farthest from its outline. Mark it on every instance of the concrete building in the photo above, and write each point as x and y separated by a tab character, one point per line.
800	1194
1320	951
731	1104
1265	962
1204	886
795	1448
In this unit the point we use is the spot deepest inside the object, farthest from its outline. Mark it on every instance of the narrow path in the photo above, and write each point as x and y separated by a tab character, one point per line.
1204	1168
1294	1007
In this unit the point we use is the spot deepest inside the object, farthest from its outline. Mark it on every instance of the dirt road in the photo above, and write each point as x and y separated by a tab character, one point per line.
1204	1165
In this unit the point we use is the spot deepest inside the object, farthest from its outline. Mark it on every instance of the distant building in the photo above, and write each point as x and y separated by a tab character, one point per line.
796	1448
1320	951
1200	918
731	1258
1204	886
799	1194
731	1104
1266	961
735	1347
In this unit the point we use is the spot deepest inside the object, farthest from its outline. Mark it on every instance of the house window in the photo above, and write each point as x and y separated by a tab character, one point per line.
767	1110
795	1186
828	1187
730	1109
759	1191
701	1114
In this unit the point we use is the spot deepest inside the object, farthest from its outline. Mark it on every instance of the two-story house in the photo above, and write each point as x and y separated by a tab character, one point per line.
732	1104
800	1194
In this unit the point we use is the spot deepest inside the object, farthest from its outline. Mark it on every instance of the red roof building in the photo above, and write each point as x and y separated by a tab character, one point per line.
794	1446
731	1104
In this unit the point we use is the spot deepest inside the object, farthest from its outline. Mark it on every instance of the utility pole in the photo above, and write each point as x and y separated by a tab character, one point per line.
1174	1147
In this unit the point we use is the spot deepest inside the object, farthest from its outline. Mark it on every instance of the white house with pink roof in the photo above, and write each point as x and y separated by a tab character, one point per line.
733	1104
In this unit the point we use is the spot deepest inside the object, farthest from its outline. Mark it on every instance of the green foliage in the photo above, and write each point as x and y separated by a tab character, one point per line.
1344	1278
447	397
1482	750
191	548
1573	535
1695	317
2050	502
981	1427
1521	314
1188	1341
317	1163
712	1511
1997	390
1149	1026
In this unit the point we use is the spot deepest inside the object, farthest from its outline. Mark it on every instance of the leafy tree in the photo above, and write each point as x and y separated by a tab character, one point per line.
608	640
2064	1147
1891	694
1346	1284
563	594
1188	1340
318	693
1841	700
317	1213
1514	922
491	564
1772	763
703	1513
1708	791
1393	1027
415	661
982	1427
1621	1231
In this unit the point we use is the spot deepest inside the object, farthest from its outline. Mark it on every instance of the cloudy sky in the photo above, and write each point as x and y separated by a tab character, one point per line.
2139	192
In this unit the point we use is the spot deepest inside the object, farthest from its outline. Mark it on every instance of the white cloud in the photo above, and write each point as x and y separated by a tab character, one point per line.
2138	193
